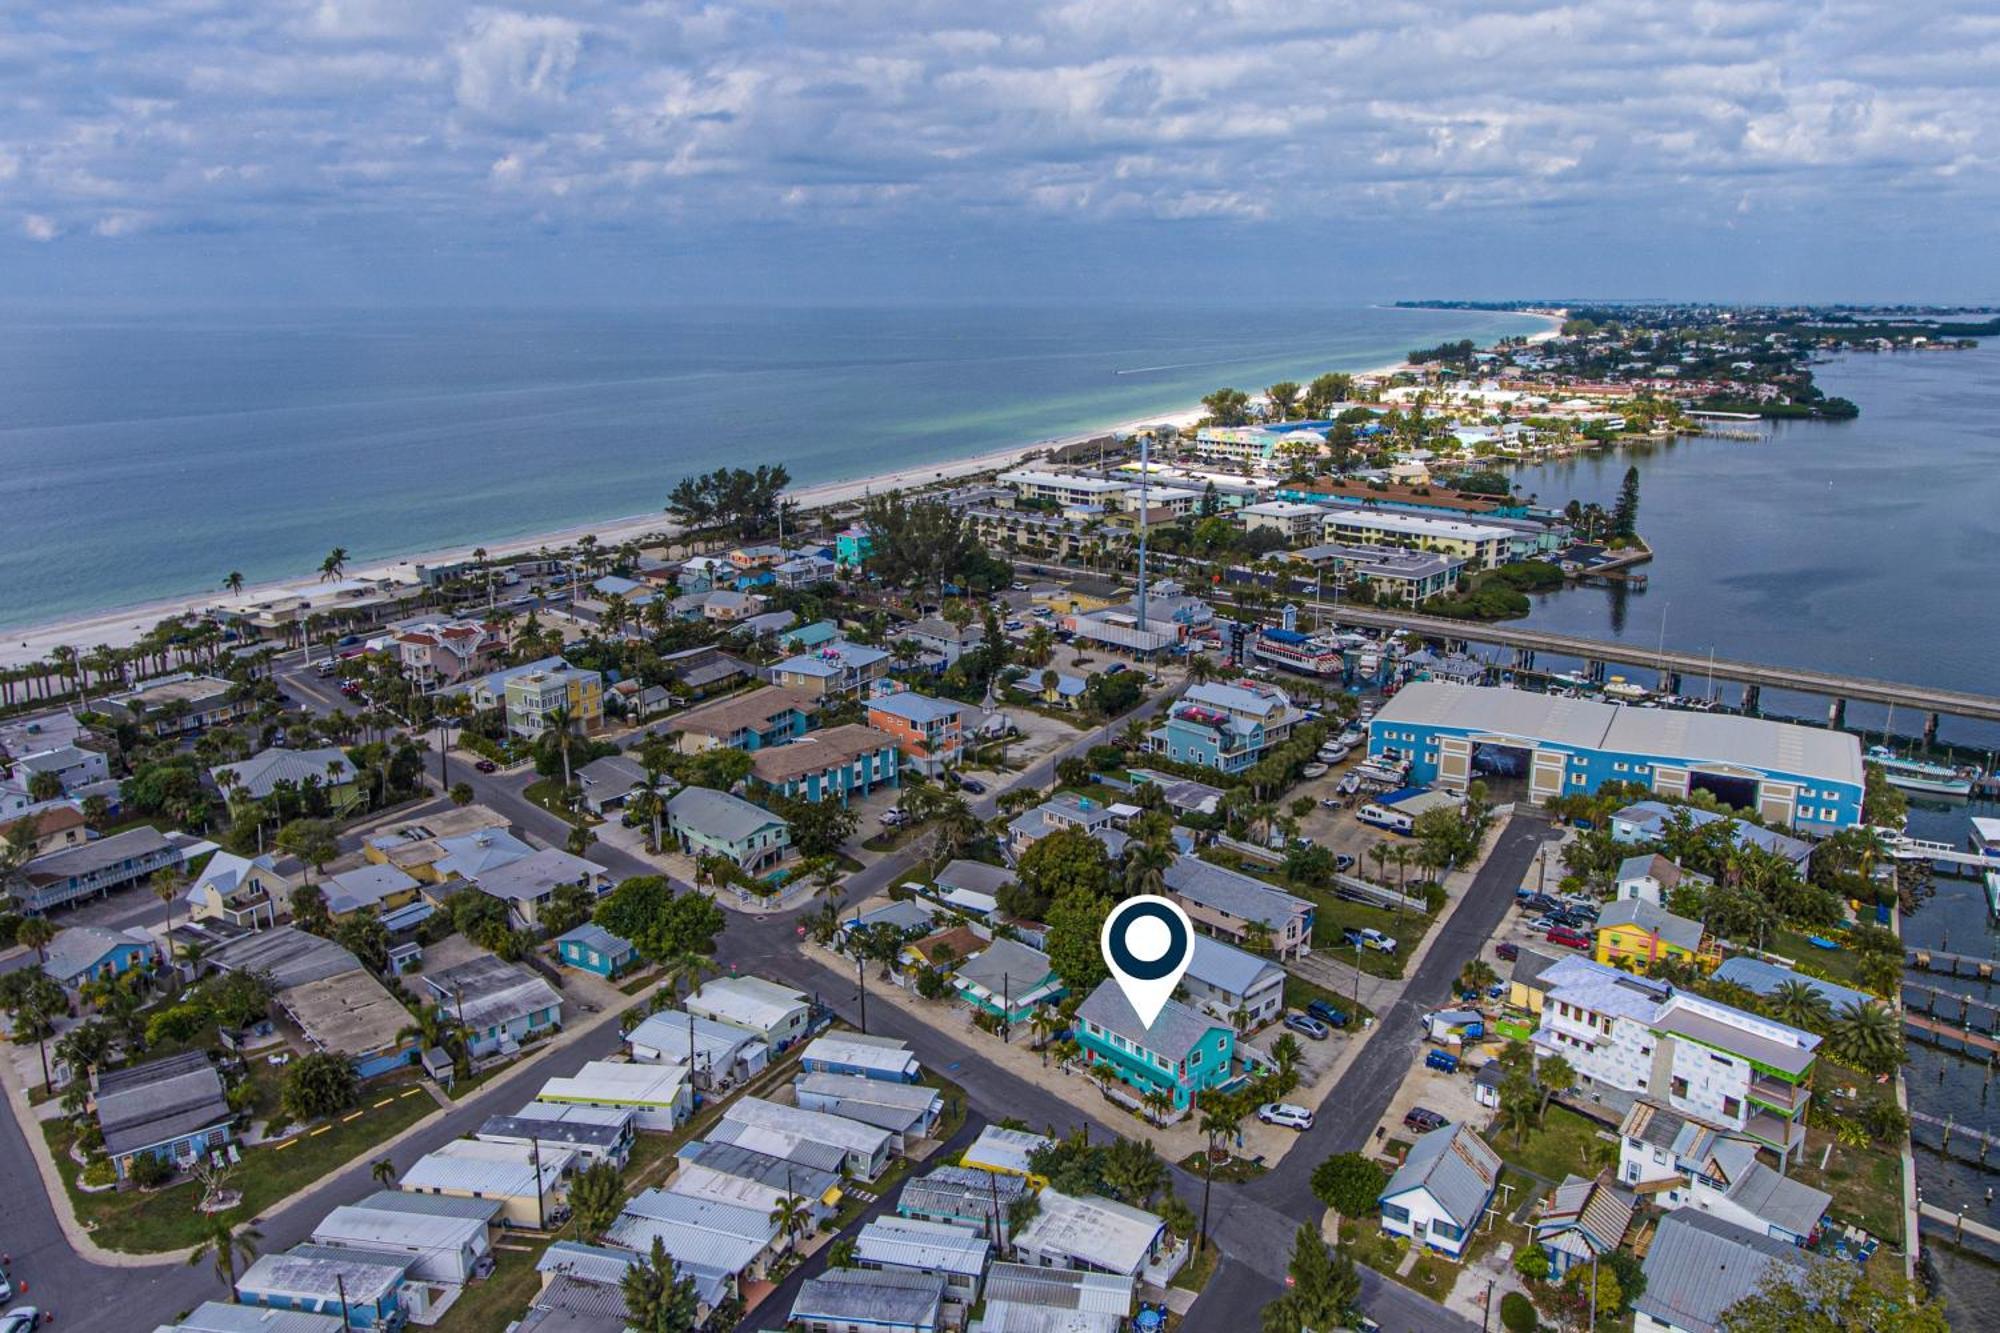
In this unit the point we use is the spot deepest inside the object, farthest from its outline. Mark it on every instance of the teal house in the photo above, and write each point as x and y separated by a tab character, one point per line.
591	948
851	546
1007	979
1183	1053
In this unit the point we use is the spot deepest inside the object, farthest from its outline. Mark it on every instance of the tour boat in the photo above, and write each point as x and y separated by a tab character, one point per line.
1916	775
1298	652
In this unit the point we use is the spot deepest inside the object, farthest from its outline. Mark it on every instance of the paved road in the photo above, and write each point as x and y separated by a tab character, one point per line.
1361	1097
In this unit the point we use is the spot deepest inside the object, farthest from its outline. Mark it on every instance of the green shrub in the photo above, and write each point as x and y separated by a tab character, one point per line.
149	1172
1517	1314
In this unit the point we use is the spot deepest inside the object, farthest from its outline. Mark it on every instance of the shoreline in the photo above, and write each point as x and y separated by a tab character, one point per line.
121	626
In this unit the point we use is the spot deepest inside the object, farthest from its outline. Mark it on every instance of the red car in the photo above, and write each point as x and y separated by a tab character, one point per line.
1575	939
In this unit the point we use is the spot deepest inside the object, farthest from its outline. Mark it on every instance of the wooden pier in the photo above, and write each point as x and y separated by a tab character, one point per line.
1961	1225
1949	1130
1971	1038
1966	1003
1951	964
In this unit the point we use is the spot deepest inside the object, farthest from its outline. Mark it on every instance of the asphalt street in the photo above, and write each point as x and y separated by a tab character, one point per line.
1254	1224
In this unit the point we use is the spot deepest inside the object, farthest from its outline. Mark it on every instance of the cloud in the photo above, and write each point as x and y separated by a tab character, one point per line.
502	120
40	227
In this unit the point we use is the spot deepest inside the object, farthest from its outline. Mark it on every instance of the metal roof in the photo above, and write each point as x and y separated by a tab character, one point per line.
974	875
1093	1230
1586	724
1597	1208
1762	978
718	814
591	1263
613	1082
839	1049
1228	968
291	956
1059	1288
575	1134
782	1144
532	877
1006	965
817	1125
961	1191
260	774
490	991
910	1242
1455	1167
502	1170
99	854
324	1273
876	1091
695	1231
898	1299
364	886
154	1103
772	1172
590	935
361	1225
218	1317
1004	1149
433	1205
667	1032
1778	1199
748	1002
1699	1265
1678	931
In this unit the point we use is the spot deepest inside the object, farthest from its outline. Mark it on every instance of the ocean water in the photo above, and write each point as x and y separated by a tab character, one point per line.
148	458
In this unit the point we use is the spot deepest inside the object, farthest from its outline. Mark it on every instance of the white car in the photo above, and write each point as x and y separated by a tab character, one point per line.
21	1320
1284	1113
1375	939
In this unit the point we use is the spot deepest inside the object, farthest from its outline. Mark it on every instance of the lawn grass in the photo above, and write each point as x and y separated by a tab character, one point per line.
1866	1184
494	1304
548	793
1842	965
140	1222
1235	1171
1299	993
1559	1147
1198	1269
1334	914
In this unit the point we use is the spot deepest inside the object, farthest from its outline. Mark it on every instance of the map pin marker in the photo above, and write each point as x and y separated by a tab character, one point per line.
1148	942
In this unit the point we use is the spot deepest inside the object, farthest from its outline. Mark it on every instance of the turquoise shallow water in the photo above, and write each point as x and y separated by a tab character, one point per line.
147	458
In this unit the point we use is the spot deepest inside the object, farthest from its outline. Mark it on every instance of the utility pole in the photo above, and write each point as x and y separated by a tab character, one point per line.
541	1213
861	976
340	1285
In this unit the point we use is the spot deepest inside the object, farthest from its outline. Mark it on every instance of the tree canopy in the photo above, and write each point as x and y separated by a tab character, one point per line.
741	499
923	545
659	923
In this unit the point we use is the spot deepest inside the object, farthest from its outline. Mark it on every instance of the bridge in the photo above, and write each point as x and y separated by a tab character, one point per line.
1675	664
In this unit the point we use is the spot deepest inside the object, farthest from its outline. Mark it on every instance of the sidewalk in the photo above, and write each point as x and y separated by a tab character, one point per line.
80	1238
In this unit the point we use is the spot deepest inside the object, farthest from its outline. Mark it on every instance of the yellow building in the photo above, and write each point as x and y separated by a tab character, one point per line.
1637	933
533	698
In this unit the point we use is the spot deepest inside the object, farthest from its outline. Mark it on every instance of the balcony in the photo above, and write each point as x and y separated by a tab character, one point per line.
1778	1094
1785	1136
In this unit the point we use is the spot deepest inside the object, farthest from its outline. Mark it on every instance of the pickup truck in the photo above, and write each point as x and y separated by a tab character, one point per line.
1327	1014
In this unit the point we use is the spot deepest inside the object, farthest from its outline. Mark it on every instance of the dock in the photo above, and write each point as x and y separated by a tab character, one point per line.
1951	964
1949	1130
1961	1225
1966	1003
1942	855
1971	1039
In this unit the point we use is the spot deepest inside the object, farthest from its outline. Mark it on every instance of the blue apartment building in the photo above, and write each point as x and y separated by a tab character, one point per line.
1226	726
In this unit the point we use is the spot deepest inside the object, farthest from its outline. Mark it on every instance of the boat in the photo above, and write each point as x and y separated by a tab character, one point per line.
1298	652
1333	754
1993	894
1351	736
1623	690
1313	771
1916	775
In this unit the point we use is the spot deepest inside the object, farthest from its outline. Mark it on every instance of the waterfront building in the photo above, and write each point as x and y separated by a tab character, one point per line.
1698	1266
1679	1161
1738	1070
1065	489
1225	725
1480	545
1390	572
1552	746
1648	821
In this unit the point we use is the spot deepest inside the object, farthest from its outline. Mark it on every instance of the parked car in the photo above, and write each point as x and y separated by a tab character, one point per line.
1114	669
1342	862
1327	1014
20	1321
1508	951
1284	1113
1423	1120
1568	938
1372	938
1311	1027
973	785
893	818
486	766
1543	924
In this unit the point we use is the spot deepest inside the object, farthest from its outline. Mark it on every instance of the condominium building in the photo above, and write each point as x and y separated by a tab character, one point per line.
535	698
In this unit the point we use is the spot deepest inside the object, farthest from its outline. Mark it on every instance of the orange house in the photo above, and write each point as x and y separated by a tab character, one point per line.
930	733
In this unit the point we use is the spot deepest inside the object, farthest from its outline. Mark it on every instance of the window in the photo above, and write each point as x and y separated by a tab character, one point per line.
1679	1087
1731	1107
1447	1230
1395	1212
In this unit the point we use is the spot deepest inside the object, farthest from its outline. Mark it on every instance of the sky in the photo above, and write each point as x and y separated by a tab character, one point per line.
155	152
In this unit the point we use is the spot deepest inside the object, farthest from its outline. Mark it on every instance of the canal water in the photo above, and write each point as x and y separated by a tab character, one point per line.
1866	547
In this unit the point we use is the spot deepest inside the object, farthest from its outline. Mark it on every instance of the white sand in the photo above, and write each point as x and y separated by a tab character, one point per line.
122	626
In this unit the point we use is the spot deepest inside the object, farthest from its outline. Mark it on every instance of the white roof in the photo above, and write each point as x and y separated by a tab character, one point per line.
1415	525
748	1002
840	1050
502	1170
612	1083
667	1032
850	1135
1091	1229
358	1224
909	1242
1697	738
1004	1149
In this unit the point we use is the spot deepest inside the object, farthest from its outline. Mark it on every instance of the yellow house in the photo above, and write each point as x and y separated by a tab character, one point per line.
1525	987
1005	1152
241	890
533	698
368	890
1635	932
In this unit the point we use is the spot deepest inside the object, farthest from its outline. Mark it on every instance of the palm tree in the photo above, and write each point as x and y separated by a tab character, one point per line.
1867	1037
559	720
233	581
647	805
1555	1074
1476	975
225	1245
1800	1004
1146	867
37	933
792	1216
383	1171
1158	1101
334	565
169	883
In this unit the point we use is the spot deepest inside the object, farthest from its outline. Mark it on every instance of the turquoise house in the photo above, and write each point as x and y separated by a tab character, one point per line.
1183	1053
83	954
851	546
591	948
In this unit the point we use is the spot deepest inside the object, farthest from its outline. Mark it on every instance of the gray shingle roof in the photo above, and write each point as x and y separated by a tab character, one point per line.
1231	892
1006	965
289	954
1176	1031
1699	1265
154	1103
1455	1167
1791	1204
260	774
974	875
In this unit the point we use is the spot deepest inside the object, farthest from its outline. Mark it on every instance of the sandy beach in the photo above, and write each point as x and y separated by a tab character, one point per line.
122	626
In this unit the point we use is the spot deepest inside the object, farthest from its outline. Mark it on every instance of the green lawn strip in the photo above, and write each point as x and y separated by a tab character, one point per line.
1866	1184
1197	1270
548	793
141	1222
1299	993
1842	965
1559	1147
1334	914
1235	1171
494	1304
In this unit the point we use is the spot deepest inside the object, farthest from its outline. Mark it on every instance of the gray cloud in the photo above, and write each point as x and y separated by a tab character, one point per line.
135	120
